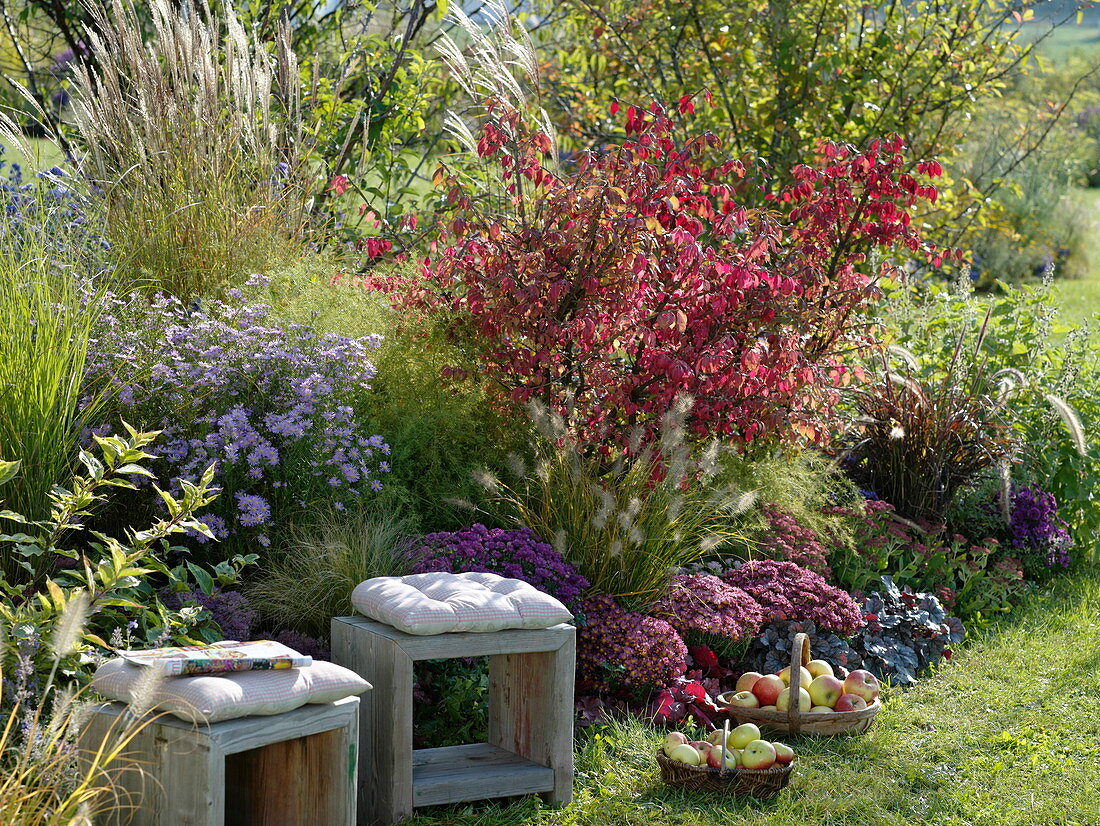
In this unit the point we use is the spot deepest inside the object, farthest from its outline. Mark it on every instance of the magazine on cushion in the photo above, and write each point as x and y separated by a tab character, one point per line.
217	658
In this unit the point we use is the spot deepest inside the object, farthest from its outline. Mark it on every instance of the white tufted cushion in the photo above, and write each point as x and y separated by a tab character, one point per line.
438	603
209	698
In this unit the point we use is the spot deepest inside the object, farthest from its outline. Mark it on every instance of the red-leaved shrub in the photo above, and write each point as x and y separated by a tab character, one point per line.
635	277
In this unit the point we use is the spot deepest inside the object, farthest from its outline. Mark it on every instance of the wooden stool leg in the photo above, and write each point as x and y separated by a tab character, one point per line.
173	777
531	711
385	723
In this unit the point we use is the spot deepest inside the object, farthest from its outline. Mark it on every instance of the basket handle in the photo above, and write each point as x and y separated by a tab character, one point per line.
800	655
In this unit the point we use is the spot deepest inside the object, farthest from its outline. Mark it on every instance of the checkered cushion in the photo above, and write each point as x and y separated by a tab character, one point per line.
212	697
439	603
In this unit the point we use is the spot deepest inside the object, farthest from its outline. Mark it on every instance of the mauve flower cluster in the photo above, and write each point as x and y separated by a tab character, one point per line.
788	592
270	403
789	541
619	648
705	604
516	554
1036	527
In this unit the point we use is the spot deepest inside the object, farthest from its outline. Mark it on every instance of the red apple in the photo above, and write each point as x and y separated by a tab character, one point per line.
819	667
747	680
784	754
767	689
714	757
759	754
743	699
825	690
783	702
850	702
863	683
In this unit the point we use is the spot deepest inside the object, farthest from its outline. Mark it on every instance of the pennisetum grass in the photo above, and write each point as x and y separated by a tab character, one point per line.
627	527
48	775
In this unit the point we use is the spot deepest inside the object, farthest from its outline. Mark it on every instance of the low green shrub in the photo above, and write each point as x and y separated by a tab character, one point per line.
441	426
110	588
1045	388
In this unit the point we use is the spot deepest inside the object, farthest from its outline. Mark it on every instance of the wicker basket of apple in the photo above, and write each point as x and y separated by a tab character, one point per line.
825	703
737	762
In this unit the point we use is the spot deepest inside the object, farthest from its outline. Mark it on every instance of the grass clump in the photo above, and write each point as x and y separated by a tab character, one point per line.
46	320
306	584
626	527
194	137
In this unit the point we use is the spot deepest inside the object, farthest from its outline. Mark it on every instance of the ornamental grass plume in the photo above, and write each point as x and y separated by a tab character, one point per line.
787	592
49	776
193	130
625	525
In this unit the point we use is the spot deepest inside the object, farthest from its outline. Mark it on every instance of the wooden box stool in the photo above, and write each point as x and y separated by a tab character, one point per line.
286	769
530	743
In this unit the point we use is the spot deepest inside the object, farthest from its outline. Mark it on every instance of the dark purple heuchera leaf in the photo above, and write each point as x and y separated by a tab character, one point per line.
771	651
518	554
905	634
686	698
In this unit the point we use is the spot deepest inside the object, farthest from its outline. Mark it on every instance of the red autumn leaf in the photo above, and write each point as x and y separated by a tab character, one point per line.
339	184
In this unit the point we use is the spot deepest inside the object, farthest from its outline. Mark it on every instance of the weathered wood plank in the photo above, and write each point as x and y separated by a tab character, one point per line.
531	716
254	732
444	646
531	710
289	783
385	721
177	771
473	772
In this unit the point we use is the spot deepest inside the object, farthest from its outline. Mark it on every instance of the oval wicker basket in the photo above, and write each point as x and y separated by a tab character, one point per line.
796	722
759	783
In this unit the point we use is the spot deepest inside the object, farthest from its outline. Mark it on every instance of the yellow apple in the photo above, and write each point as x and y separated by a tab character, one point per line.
784	701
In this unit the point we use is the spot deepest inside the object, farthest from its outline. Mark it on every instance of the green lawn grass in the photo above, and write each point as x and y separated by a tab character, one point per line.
1007	733
41	154
1079	298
